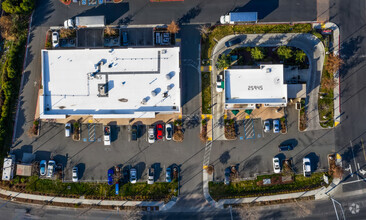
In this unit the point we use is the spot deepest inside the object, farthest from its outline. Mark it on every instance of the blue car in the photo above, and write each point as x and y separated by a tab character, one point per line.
43	166
110	176
168	175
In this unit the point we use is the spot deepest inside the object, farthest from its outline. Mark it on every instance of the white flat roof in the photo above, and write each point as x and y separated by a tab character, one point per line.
8	168
263	85
72	81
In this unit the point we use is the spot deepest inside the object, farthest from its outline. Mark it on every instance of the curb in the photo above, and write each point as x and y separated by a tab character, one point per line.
13	196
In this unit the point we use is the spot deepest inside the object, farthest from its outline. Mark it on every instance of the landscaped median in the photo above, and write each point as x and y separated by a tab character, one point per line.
206	92
138	192
278	184
218	32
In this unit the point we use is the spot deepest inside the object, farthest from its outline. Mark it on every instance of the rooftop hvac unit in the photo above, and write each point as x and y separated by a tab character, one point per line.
168	76
268	70
144	100
165	95
153	93
123	100
164	51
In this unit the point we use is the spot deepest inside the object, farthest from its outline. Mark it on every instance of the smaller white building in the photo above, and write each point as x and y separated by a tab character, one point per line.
8	168
246	87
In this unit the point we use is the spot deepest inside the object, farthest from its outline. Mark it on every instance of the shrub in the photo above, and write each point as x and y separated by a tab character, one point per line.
300	56
284	52
257	53
173	27
223	61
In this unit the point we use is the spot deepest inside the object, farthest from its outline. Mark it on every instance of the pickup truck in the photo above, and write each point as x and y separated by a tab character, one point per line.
107	135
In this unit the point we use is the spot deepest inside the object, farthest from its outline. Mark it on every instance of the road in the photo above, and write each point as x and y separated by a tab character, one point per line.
352	131
353	207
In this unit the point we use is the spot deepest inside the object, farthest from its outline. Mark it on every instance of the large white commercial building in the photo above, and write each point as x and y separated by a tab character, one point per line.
110	83
246	87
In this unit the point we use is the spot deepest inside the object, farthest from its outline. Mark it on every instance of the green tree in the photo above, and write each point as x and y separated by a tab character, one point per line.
257	53
300	56
223	61
18	7
284	52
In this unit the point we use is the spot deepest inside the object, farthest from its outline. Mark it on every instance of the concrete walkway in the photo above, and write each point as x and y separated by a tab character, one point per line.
336	91
310	44
17	195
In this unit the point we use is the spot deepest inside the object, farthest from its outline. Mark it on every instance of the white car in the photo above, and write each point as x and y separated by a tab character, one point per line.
67	130
133	175
168	131
107	135
55	39
276	165
51	168
276	126
218	84
150	176
306	166
266	126
75	177
151	135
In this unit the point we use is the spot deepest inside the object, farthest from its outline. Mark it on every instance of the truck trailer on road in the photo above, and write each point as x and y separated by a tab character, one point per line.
239	17
85	22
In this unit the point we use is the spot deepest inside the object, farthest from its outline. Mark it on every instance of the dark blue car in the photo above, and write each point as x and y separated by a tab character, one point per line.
110	176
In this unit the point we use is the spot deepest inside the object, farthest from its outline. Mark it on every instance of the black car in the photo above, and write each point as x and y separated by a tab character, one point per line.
232	42
285	147
134	133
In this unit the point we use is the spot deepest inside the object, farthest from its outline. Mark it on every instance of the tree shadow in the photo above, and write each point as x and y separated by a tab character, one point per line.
43	11
191	14
42	155
224	157
140	167
157	170
81	169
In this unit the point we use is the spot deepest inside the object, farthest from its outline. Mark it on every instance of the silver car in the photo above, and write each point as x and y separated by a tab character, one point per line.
51	168
75	177
266	126
276	126
151	135
133	175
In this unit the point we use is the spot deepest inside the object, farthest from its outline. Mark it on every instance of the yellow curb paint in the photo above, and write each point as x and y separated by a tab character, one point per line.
338	157
209	138
323	25
210	68
209	116
225	116
202	117
247	117
202	68
336	123
225	68
177	40
180	116
90	121
205	167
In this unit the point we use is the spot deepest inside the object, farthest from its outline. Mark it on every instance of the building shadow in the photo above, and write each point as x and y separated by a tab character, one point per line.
112	12
263	7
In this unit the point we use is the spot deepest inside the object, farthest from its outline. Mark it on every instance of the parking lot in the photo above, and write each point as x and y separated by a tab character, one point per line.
93	158
139	36
253	150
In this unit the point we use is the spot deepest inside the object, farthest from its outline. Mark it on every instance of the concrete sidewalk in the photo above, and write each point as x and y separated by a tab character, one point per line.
17	195
336	49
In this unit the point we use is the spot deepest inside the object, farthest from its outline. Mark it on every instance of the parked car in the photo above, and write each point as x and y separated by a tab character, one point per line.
133	175
107	135
55	41
159	131
285	147
43	167
276	165
306	166
110	176
51	168
67	130
150	176
175	172
134	133
168	175
266	126
168	131
75	176
232	42
227	176
219	84
151	134
124	38
276	126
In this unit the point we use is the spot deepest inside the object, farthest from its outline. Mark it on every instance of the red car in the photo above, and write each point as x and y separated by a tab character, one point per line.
159	129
